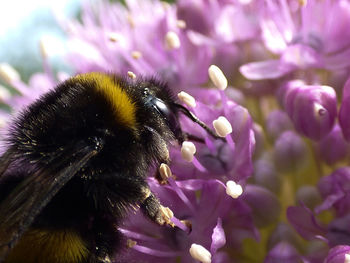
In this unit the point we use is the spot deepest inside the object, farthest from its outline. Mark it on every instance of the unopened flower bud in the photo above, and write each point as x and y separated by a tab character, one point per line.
276	123
309	196
312	109
264	204
290	152
333	147
265	174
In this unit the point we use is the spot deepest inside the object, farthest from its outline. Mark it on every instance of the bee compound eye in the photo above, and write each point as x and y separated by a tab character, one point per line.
167	114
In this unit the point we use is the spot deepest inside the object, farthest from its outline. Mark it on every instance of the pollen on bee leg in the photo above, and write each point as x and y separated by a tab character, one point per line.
130	243
131	75
187	99
200	253
167	214
146	193
164	173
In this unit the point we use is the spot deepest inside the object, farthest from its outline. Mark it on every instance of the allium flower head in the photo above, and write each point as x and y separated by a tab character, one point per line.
271	80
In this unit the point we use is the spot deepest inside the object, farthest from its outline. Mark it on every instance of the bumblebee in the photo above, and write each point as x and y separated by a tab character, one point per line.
77	160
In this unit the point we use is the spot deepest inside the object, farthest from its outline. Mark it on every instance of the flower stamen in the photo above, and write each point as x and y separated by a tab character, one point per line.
200	253
187	99
136	54
234	190
131	75
217	77
172	41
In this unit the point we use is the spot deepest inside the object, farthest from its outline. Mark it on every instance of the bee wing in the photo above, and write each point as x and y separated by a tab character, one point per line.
25	202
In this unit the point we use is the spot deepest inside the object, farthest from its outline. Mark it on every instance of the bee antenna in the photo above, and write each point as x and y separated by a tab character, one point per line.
195	119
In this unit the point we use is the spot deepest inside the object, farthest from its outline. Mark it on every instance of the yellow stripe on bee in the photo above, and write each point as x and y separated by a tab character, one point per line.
124	108
49	246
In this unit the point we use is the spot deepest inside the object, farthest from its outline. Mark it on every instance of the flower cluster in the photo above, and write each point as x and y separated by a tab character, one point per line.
271	77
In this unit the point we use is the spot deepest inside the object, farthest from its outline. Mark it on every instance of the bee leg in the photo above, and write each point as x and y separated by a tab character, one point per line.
165	159
152	208
105	259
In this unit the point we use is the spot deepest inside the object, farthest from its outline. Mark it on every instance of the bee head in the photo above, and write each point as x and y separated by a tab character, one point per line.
161	103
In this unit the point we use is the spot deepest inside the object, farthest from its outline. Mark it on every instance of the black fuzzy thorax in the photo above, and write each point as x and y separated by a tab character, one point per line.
75	118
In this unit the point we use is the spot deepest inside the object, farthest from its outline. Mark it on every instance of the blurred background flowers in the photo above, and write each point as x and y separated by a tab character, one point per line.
278	189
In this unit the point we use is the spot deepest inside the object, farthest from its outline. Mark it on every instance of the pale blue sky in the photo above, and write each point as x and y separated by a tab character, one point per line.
24	22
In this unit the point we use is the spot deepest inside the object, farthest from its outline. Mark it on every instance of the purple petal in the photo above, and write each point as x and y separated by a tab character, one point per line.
337	254
304	222
269	69
344	120
301	56
218	238
282	252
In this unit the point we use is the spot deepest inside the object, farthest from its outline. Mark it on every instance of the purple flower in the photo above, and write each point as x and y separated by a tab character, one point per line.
312	109
304	35
338	254
344	109
335	190
208	215
283	153
145	37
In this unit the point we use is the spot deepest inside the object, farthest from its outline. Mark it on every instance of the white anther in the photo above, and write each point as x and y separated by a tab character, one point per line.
172	40
234	190
43	43
136	54
200	253
4	93
187	99
114	37
188	150
8	73
222	126
165	171
131	75
181	24
217	77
